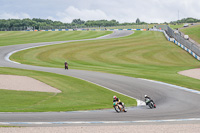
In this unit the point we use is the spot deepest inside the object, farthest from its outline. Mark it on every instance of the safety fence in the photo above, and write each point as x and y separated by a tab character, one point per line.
48	28
179	40
87	29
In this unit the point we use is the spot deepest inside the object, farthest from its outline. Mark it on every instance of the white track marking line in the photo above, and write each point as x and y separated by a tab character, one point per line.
175	86
139	102
7	57
98	122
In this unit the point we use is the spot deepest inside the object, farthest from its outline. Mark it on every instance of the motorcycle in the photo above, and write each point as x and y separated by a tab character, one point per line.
150	103
118	107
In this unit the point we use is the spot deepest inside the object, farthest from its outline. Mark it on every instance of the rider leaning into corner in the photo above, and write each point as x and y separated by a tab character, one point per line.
115	99
146	99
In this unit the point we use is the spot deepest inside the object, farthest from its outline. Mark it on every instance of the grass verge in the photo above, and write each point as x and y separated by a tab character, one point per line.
76	94
193	32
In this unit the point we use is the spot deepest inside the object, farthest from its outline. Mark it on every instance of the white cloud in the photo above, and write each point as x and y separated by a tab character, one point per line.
128	11
120	10
6	15
85	14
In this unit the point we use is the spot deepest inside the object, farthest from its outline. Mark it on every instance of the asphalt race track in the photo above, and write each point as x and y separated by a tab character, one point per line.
172	102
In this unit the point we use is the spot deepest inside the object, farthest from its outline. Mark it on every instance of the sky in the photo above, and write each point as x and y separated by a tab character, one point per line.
150	11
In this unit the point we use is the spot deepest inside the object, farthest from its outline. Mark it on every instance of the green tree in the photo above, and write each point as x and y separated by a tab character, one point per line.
137	21
78	21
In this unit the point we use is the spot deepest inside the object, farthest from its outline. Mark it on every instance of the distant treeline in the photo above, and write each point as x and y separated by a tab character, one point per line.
38	23
187	20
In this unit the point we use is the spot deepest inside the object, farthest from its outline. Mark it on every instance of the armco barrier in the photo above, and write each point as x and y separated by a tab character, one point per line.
178	36
187	49
177	43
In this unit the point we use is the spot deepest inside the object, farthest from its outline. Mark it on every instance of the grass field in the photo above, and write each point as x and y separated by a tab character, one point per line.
23	37
76	94
144	55
193	32
175	26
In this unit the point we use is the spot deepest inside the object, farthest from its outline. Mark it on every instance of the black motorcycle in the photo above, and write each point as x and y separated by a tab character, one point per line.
150	103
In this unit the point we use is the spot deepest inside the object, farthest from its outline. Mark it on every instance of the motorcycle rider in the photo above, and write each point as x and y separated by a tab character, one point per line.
146	99
115	99
66	65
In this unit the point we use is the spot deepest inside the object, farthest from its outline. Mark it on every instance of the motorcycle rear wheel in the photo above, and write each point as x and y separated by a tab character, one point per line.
151	105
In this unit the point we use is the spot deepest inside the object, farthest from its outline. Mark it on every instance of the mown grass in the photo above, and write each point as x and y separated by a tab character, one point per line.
175	26
23	37
144	55
76	94
193	32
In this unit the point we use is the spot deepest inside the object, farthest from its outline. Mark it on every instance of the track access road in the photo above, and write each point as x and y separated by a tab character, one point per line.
172	103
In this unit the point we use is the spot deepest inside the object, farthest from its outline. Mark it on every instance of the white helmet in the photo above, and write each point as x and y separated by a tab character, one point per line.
145	96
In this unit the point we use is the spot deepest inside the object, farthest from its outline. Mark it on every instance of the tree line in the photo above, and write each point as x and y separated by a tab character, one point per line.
44	24
37	23
186	20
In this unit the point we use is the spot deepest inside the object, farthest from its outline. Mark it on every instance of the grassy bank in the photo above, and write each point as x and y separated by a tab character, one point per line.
193	32
76	94
175	26
144	55
23	37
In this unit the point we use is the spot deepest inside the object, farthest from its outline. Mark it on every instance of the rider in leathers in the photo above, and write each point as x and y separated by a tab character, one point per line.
115	99
146	99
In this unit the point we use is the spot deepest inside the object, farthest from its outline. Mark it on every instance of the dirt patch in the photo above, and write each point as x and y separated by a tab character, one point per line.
23	83
193	73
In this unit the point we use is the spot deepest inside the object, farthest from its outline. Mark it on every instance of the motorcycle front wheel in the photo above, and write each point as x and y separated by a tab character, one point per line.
117	109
